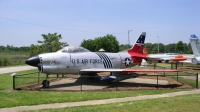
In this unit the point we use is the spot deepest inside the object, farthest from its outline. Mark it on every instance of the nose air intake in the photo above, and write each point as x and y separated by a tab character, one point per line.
33	61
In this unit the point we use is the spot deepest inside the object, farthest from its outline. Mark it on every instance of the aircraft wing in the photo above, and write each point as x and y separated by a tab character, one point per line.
186	61
152	59
128	70
113	77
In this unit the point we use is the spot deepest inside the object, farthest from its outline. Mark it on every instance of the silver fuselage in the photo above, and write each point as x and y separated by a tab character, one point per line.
61	62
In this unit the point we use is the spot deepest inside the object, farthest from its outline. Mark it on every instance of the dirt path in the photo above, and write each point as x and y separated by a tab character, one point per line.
15	69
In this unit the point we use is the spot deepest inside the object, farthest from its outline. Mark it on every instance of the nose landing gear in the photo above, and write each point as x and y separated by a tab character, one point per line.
45	83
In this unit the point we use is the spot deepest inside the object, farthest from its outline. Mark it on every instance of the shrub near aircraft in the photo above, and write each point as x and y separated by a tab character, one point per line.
78	60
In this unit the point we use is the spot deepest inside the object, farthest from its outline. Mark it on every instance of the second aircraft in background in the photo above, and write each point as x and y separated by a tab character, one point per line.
164	57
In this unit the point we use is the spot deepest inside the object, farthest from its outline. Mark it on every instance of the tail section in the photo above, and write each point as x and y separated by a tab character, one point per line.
136	50
139	44
195	44
145	52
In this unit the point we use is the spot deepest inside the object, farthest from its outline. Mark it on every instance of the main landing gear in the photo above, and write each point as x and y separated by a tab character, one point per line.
45	83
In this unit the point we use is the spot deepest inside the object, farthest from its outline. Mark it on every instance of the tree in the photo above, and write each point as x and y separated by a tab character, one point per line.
170	48
154	49
123	47
34	49
51	42
2	48
89	44
189	49
180	47
161	48
149	47
109	43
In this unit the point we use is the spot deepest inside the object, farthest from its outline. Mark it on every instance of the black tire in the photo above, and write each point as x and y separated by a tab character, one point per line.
45	84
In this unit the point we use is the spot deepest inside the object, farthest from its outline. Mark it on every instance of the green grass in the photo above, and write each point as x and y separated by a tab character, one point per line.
187	103
32	79
6	80
20	98
188	81
12	98
166	65
13	58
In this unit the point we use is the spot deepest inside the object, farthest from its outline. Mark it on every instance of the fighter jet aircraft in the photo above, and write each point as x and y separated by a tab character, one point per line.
195	44
79	60
164	57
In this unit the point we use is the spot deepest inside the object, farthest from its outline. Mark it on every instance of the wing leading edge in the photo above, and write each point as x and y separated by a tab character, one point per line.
128	70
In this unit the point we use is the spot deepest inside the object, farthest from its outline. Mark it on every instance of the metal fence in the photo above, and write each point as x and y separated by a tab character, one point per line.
33	81
29	79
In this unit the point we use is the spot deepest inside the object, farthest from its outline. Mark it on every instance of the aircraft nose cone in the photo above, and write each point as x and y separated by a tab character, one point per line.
33	61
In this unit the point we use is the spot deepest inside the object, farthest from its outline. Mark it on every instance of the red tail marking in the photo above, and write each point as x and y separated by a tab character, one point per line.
145	52
136	51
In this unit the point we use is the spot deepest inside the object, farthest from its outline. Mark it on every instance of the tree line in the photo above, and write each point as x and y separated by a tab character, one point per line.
110	44
12	48
179	47
51	43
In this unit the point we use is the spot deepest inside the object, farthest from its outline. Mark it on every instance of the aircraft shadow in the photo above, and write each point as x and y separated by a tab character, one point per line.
97	82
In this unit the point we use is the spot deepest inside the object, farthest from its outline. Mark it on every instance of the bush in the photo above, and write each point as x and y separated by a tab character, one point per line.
5	61
0	62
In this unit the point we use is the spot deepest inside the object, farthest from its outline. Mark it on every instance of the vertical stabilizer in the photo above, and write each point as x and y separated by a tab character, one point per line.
136	51
195	44
139	44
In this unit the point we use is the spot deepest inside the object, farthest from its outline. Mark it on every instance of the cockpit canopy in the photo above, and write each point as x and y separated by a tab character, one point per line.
73	49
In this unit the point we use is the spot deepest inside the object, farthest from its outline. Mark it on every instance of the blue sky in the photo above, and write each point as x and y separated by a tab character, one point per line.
75	20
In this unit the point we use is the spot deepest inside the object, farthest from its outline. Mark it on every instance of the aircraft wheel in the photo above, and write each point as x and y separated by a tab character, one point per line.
45	84
167	61
159	61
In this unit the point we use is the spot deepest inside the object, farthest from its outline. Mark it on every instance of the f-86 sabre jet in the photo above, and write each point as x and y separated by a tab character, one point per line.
79	60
